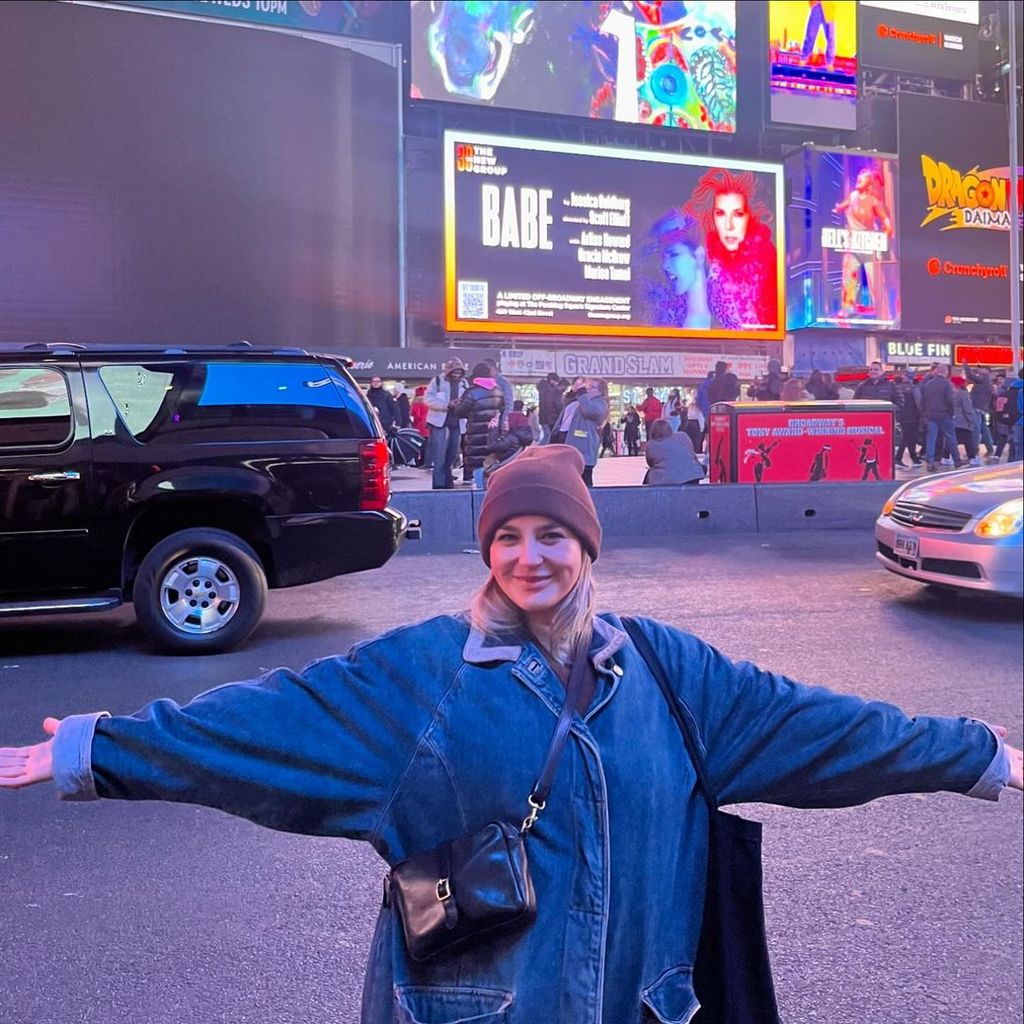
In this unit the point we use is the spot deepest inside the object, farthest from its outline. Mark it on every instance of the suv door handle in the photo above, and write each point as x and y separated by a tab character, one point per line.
52	478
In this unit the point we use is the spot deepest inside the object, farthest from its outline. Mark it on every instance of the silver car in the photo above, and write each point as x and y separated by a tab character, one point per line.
958	530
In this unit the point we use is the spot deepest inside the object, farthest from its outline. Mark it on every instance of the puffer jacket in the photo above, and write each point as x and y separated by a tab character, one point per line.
432	730
481	407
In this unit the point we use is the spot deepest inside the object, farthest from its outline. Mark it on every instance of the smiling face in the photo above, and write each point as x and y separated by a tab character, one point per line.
679	266
535	561
731	219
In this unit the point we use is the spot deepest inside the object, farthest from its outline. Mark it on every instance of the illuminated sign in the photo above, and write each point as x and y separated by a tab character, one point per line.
812	56
669	63
927	38
555	238
918	351
843	254
973	199
985	355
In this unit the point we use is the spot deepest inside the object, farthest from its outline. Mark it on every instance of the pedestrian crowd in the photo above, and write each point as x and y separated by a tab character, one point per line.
470	419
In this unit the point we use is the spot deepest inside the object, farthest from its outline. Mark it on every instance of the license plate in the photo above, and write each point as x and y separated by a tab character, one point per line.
906	546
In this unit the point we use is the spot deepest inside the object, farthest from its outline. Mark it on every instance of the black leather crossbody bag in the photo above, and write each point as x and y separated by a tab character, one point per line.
732	975
468	887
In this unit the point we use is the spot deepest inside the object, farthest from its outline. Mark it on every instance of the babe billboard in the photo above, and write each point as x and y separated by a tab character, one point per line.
812	50
668	63
843	241
954	215
562	239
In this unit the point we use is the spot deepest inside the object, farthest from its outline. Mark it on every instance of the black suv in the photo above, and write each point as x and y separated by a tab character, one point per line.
187	481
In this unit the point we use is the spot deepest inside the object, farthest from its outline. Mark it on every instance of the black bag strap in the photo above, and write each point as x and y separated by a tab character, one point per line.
577	682
646	650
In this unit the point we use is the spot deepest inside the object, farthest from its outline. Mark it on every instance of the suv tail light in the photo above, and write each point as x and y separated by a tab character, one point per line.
375	476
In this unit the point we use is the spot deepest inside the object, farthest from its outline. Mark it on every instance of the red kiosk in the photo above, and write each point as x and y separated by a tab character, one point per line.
800	442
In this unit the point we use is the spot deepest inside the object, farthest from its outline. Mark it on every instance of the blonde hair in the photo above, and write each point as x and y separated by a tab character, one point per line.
493	614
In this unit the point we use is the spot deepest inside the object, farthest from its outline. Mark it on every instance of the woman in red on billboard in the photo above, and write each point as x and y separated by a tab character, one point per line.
741	256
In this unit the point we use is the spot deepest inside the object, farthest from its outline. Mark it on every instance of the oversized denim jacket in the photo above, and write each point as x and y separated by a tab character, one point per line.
432	730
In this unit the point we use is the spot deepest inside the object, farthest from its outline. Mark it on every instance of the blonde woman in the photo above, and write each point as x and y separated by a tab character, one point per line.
430	731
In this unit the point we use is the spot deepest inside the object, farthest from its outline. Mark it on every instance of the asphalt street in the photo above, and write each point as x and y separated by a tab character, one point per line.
906	911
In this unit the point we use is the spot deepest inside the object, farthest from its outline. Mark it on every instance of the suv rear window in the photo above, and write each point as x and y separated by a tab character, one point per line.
35	407
220	401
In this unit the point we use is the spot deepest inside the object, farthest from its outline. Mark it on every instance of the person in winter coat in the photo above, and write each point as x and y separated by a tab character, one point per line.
549	401
418	411
965	421
981	399
403	416
770	389
631	430
583	420
507	391
444	392
695	424
483	409
724	386
1016	402
675	410
670	457
937	409
875	387
793	390
818	389
384	403
428	732
650	408
908	414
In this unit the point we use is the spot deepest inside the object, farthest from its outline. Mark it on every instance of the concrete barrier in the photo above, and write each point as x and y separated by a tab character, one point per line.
820	506
447	516
640	511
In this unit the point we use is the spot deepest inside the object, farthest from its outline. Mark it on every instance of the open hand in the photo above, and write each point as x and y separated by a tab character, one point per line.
1016	761
25	766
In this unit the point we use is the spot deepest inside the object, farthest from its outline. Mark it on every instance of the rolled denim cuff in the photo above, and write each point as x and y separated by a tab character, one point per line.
72	757
997	775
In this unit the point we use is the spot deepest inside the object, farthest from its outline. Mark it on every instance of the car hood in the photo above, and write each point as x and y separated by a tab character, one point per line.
969	490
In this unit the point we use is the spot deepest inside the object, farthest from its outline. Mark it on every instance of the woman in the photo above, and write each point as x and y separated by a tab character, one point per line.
695	424
583	420
675	410
793	391
418	412
482	407
965	420
670	457
741	255
631	430
432	730
679	299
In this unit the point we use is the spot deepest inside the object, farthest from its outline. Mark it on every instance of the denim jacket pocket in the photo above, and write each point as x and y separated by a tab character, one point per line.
445	1004
671	999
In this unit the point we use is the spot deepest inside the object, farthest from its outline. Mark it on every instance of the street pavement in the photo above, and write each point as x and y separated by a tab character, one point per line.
907	911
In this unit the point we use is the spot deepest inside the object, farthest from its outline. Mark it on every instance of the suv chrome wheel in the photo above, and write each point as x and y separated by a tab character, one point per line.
199	595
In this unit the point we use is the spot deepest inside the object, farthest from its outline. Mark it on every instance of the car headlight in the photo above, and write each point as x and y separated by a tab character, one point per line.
888	506
1002	521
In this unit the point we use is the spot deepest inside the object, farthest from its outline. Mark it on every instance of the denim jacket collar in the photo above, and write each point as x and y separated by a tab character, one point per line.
481	649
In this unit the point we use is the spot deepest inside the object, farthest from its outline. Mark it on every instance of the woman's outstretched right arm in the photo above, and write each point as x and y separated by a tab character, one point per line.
318	752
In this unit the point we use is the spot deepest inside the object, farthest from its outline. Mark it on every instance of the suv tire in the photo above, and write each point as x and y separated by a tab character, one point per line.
175	592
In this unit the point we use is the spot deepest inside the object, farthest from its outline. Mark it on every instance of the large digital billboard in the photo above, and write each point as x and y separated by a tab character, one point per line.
938	39
669	63
842	237
812	52
954	215
556	238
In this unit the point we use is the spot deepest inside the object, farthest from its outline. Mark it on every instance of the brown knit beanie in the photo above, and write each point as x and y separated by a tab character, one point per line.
541	481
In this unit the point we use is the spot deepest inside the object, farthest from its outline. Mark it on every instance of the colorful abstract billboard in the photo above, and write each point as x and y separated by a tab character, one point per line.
812	51
669	63
843	255
556	238
921	37
955	215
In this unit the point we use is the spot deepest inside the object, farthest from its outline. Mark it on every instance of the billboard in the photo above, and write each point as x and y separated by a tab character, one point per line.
561	239
938	39
954	215
812	56
670	63
843	245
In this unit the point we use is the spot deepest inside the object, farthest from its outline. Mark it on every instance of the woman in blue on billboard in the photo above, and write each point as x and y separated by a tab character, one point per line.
742	264
681	298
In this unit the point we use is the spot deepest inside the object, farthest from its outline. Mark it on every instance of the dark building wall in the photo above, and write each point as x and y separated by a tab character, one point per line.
172	181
